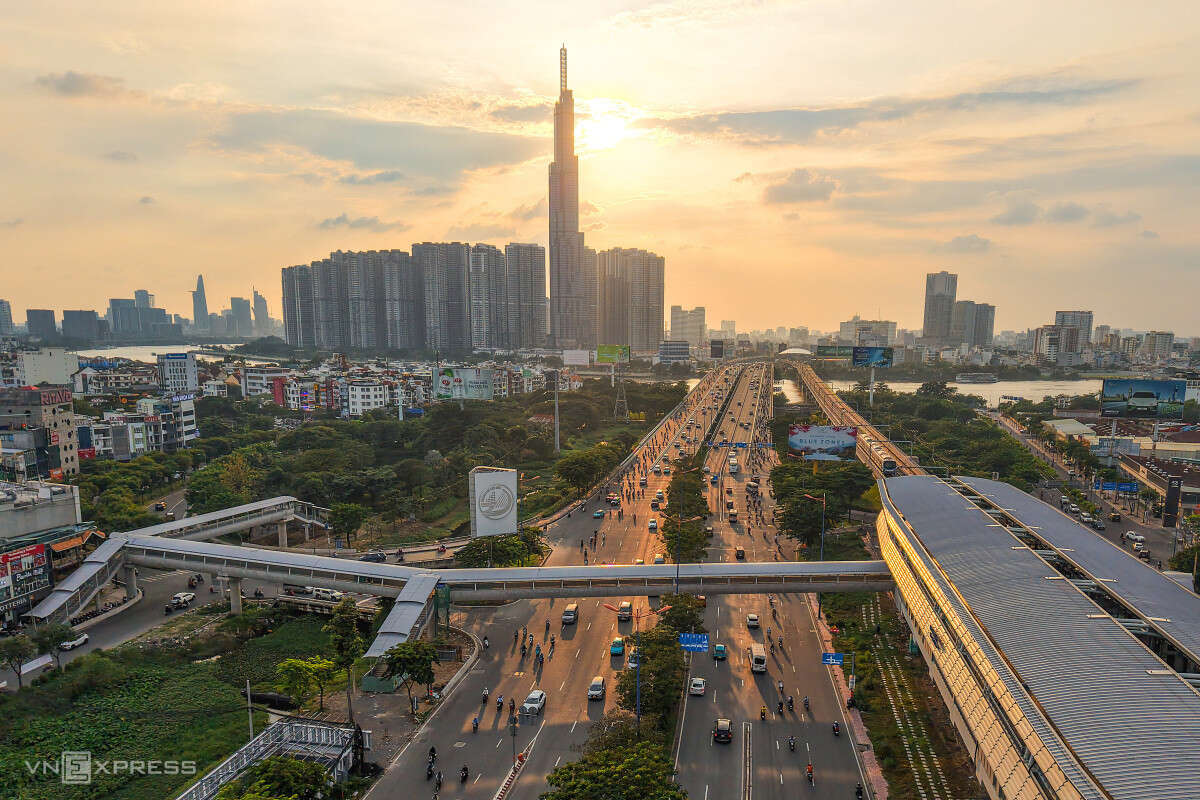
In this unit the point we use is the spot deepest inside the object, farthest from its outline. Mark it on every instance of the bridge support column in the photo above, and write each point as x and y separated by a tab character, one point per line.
131	581
283	534
307	531
235	595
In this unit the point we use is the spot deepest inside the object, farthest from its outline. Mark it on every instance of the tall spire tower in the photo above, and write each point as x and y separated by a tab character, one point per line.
573	289
199	305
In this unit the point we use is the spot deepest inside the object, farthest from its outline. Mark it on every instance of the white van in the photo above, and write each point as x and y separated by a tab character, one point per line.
733	467
596	688
570	614
321	593
758	658
1135	538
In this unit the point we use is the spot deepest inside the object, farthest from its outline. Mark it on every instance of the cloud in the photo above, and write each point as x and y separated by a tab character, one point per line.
11	223
518	113
146	200
1066	212
481	232
421	151
800	186
1019	212
80	84
1145	234
586	208
790	125
971	243
120	156
369	179
1107	218
344	220
531	211
674	13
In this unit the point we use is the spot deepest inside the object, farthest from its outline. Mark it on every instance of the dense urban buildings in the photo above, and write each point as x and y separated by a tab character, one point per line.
631	298
689	325
37	433
573	269
526	270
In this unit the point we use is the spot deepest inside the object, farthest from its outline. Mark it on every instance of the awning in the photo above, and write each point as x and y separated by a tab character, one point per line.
67	544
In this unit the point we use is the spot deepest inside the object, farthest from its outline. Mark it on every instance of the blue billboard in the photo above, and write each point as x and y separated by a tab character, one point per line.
1136	397
872	357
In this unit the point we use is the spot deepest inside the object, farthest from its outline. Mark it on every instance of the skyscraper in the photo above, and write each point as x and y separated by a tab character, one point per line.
444	267
40	322
526	273
631	308
299	326
688	325
262	319
81	326
573	277
941	288
199	305
6	323
143	299
1081	321
985	325
401	309
240	308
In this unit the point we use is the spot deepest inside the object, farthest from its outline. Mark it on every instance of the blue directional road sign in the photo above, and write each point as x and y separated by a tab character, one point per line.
741	444
764	444
1127	487
694	642
833	659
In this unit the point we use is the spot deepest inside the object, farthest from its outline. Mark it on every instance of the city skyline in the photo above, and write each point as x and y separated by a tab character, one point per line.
1068	168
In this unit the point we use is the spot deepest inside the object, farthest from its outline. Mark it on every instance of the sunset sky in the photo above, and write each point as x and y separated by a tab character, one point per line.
796	162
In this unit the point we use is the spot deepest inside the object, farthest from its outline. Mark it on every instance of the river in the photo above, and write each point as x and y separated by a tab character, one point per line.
148	354
991	392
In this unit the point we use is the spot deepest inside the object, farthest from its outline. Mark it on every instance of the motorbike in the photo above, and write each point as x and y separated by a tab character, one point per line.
437	781
524	649
486	694
791	705
167	610
792	743
811	780
858	792
780	706
485	643
806	702
258	594
837	729
500	703
462	774
429	770
475	725
762	713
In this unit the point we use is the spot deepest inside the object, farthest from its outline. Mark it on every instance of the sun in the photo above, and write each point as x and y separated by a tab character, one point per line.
604	124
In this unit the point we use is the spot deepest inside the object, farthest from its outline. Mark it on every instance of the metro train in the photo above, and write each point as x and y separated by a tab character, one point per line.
876	455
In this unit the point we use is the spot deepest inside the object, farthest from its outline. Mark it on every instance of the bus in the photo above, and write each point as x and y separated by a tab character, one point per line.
758	658
733	466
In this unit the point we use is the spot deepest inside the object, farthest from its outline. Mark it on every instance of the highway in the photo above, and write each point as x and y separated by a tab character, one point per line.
582	649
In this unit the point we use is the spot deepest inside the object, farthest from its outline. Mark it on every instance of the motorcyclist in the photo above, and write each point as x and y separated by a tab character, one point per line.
432	754
792	743
762	712
781	708
806	702
837	729
499	702
791	705
810	773
486	645
485	694
858	792
524	649
512	705
475	725
462	773
547	626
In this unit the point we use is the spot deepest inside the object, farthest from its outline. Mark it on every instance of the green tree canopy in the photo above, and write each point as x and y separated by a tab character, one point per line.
636	770
278	778
412	662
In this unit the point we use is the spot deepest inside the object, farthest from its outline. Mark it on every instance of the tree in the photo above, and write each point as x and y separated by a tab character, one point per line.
296	678
15	651
684	615
412	662
634	770
937	390
346	643
322	671
347	518
278	777
662	674
49	639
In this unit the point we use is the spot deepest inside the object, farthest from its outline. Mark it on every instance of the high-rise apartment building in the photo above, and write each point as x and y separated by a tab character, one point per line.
400	297
1081	321
573	272
632	298
177	373
199	305
688	325
526	271
1100	334
81	326
240	310
299	327
447	313
143	299
985	325
941	289
867	332
1157	344
487	296
6	321
728	329
40	322
262	317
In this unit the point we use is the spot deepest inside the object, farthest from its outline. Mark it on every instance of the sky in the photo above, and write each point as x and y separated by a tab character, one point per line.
795	162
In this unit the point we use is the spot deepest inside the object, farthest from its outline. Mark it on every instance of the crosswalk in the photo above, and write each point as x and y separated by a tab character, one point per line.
159	576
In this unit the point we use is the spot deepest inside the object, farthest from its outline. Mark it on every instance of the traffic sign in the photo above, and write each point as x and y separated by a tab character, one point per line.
833	659
741	444
694	642
1127	487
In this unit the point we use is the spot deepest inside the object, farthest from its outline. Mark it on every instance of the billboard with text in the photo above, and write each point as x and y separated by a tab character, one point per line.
872	357
612	354
457	383
824	442
834	351
24	578
1134	397
576	358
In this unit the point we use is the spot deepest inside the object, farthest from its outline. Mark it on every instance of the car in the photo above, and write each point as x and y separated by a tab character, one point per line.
729	490
708	530
659	495
181	599
617	648
729	505
375	557
752	621
637	562
654	506
534	703
71	644
1144	554
625	609
656	469
1113	516
1142	401
653	524
1098	524
596	688
1085	518
740	553
659	558
722	731
702	600
713	480
642	481
634	657
707	468
696	686
720	653
666	470
160	506
1074	509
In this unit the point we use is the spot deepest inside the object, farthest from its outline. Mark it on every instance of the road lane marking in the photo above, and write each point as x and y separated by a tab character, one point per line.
499	743
557	760
573	724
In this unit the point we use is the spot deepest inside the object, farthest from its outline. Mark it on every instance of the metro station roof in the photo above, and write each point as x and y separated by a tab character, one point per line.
1089	688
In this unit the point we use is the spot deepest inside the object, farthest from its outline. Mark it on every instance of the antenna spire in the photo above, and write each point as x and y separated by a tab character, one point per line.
562	68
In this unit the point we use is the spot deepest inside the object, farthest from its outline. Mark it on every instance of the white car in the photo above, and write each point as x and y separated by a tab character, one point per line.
653	525
182	599
534	703
752	620
71	644
696	686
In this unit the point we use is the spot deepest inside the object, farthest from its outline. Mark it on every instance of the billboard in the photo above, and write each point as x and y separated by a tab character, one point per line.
1133	397
24	578
458	383
872	357
493	497
612	354
576	358
834	351
716	348
824	442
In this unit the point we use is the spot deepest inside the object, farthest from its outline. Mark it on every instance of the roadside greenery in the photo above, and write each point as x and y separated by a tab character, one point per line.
412	662
839	484
279	777
685	541
114	494
514	550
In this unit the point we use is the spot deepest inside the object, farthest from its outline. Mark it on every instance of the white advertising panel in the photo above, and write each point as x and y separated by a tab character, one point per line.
576	358
465	384
493	497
